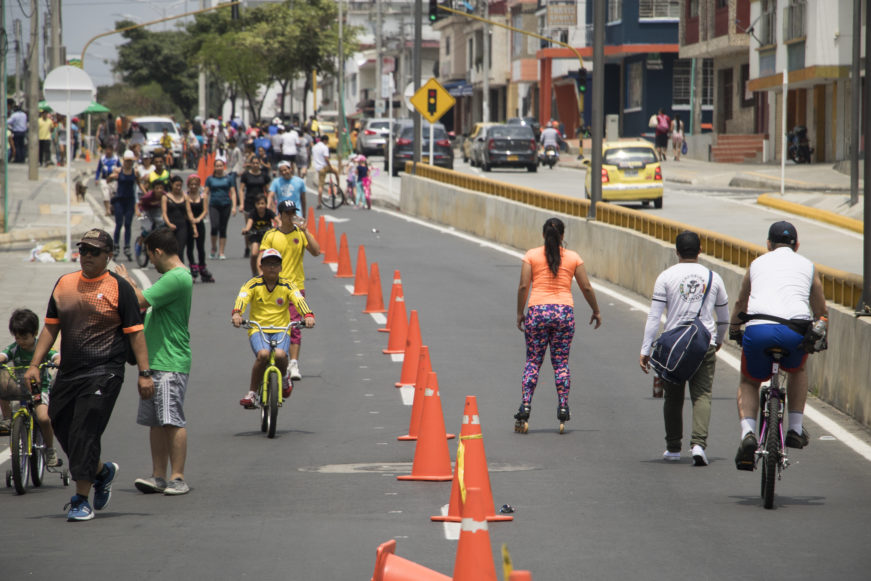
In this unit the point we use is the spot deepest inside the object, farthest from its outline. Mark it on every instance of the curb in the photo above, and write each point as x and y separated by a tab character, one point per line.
773	201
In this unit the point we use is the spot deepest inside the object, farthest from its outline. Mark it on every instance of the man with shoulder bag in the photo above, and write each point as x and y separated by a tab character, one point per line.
690	294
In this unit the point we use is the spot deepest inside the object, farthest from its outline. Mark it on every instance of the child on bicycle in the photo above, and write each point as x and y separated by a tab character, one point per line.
150	206
24	326
268	295
260	220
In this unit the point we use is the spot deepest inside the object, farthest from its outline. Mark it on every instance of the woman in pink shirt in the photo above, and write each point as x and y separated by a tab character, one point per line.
546	282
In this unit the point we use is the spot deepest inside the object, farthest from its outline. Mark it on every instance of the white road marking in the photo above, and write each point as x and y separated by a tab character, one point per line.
333	266
350	289
811	412
379	318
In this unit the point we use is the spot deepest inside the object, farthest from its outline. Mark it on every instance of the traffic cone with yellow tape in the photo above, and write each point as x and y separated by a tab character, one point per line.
474	561
390	567
471	467
432	460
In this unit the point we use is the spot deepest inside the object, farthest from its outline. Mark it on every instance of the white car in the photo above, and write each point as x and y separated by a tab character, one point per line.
153	128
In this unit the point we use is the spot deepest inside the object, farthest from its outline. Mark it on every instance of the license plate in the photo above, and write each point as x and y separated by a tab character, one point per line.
630	173
512	158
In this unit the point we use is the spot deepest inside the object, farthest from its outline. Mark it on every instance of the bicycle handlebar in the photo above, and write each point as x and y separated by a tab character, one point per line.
246	324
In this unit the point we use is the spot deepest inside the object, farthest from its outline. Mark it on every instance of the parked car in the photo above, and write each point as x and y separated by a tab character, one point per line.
373	136
506	146
403	145
153	128
470	140
630	172
529	121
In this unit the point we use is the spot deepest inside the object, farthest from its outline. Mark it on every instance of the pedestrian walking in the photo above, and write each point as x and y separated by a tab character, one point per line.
17	123
681	292
106	176
169	351
677	137
97	315
199	204
663	125
176	210
124	202
546	284
222	204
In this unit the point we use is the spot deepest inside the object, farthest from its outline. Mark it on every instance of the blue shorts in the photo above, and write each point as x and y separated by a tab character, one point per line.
755	364
258	344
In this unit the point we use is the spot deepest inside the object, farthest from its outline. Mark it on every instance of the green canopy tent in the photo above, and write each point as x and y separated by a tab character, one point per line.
43	106
93	108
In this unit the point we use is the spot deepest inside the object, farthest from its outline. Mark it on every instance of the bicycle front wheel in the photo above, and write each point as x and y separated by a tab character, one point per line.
141	255
772	451
37	457
18	446
272	383
334	196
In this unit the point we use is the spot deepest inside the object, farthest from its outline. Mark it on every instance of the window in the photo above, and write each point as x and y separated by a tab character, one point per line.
682	82
767	26
693	8
634	78
447	45
794	23
517	37
615	11
659	9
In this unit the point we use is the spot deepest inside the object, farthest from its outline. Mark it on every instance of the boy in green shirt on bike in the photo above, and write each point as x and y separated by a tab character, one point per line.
24	325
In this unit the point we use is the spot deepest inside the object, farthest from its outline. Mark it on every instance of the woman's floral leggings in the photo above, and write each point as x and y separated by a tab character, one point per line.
552	325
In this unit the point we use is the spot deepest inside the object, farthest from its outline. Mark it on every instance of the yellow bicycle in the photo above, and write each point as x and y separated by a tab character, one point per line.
271	397
26	442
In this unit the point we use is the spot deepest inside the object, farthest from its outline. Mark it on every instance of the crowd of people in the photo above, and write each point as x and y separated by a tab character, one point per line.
51	134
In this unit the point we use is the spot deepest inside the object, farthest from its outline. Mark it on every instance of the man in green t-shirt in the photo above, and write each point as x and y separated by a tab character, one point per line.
168	338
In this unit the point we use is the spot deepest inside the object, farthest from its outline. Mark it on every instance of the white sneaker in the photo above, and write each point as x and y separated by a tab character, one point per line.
699	458
293	371
671	456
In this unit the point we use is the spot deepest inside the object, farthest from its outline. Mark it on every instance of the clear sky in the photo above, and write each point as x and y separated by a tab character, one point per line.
84	19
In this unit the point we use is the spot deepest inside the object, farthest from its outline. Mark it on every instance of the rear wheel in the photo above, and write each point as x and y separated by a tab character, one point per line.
272	384
333	197
141	255
657	203
18	446
772	452
532	168
37	457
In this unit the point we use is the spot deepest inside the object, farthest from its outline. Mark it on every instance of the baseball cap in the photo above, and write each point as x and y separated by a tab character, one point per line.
287	206
270	253
98	239
129	155
687	242
782	233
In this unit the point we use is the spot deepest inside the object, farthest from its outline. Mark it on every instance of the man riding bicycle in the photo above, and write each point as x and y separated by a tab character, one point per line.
779	295
268	295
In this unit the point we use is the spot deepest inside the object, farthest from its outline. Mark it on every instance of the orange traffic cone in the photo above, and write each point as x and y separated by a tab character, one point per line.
395	291
423	369
344	269
87	156
389	567
474	560
412	352
472	460
399	330
322	233
361	277
311	224
432	461
520	576
374	300
331	256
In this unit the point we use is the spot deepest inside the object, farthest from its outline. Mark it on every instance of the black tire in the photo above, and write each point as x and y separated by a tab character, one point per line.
264	414
657	203
532	168
37	457
772	456
333	197
20	461
272	384
141	255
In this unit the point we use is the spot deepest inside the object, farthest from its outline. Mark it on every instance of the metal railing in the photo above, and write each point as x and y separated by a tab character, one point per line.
841	287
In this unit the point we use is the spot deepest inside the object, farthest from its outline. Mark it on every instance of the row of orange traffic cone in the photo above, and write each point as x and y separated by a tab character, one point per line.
471	500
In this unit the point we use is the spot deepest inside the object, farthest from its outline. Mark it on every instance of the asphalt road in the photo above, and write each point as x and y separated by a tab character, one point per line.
315	502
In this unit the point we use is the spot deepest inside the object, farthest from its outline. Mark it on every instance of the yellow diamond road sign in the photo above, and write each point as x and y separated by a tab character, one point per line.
432	101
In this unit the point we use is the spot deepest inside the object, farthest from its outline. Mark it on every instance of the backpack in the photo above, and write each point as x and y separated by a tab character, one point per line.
678	353
662	124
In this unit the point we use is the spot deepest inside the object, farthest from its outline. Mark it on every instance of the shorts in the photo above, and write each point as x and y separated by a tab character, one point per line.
166	408
295	333
322	177
108	190
661	140
258	344
755	364
289	157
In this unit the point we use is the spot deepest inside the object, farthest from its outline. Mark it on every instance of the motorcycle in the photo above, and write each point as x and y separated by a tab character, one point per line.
799	150
548	156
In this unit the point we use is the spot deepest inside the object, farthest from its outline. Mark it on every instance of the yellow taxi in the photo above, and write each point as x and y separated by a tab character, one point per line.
470	139
630	172
329	129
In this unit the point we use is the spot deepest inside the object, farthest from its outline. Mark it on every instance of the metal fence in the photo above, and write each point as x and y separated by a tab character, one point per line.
843	288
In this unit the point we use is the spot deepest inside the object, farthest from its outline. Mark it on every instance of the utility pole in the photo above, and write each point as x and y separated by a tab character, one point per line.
864	306
485	88
598	117
379	23
855	112
340	126
19	68
54	53
201	83
418	31
33	94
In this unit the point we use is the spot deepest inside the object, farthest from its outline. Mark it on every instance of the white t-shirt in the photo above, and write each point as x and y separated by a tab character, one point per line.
288	143
678	291
780	285
320	155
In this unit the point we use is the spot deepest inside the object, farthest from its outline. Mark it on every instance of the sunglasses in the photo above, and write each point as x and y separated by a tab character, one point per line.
90	251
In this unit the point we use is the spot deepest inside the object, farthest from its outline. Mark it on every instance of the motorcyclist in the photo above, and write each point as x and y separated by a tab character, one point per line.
550	137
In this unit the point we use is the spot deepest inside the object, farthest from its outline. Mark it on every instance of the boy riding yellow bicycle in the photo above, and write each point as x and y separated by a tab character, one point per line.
268	295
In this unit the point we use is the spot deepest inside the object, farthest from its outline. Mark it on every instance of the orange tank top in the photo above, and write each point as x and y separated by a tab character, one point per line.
547	289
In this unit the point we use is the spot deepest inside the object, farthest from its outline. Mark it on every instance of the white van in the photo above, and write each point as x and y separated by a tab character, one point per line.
153	128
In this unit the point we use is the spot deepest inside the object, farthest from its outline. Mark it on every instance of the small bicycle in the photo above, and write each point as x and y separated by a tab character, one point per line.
333	194
271	397
26	442
771	452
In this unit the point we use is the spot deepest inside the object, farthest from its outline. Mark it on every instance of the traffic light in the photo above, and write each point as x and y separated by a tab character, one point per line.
582	81
431	96
433	11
